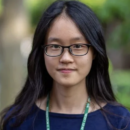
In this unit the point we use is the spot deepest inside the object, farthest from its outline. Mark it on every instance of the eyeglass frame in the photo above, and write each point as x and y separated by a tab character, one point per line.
44	47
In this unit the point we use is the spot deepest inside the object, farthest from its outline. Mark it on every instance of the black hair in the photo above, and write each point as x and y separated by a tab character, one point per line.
39	83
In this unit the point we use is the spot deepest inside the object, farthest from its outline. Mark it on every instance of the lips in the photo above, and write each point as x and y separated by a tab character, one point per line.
65	70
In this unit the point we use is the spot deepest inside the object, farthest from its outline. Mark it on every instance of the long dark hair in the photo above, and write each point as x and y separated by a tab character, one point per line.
39	82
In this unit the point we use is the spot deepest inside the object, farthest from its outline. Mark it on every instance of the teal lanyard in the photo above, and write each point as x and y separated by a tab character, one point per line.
84	118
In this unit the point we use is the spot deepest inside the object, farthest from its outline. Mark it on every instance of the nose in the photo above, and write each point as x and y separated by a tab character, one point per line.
66	57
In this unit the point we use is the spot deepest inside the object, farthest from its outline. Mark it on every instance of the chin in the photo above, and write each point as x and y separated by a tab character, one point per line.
68	83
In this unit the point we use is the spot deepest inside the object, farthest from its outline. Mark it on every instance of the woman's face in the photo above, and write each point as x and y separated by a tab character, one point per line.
64	32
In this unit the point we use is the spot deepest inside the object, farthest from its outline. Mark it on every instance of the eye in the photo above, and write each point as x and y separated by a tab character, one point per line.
55	46
78	46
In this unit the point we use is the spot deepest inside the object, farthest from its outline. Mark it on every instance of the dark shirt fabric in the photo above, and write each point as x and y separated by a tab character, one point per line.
95	121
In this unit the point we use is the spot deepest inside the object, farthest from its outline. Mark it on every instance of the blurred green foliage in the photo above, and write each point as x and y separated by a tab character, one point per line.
1	7
117	13
121	85
35	9
94	4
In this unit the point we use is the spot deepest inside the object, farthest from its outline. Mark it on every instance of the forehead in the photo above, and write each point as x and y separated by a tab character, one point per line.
64	28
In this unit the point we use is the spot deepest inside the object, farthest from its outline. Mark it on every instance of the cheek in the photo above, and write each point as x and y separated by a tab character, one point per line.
47	63
85	65
50	64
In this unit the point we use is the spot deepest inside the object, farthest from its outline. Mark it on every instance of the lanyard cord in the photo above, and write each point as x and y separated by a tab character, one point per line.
84	118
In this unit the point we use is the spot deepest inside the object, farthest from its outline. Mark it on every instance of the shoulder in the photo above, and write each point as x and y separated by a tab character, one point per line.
117	109
9	117
12	117
118	115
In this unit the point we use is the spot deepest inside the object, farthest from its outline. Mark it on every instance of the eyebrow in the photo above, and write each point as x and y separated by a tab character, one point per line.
51	39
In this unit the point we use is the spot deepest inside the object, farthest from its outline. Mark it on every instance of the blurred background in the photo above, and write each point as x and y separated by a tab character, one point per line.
18	20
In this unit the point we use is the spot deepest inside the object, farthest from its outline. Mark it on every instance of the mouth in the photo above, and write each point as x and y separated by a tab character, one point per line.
66	70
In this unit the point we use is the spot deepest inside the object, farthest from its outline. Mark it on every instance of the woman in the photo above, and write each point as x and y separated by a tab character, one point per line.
68	85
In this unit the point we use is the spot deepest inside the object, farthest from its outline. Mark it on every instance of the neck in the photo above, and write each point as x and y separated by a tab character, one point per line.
68	99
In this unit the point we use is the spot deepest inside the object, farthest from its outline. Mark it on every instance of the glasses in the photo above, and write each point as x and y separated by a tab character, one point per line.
54	50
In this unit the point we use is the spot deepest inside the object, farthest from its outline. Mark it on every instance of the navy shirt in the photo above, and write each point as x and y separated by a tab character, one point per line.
95	120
